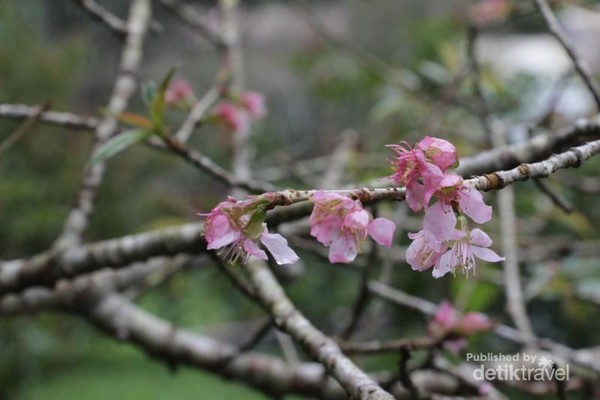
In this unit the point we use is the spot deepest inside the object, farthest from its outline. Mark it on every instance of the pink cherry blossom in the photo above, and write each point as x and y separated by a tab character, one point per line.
235	119
462	252
453	190
179	91
438	151
254	103
424	252
230	225
420	177
342	224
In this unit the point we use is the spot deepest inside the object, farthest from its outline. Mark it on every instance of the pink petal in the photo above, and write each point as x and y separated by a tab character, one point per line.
382	231
343	249
278	247
441	152
471	203
480	238
357	220
252	249
440	222
445	265
486	254
219	232
422	253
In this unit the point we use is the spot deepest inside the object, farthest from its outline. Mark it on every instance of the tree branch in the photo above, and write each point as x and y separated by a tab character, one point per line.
320	347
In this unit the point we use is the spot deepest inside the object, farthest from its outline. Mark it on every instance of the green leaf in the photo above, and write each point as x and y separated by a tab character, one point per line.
157	109
148	93
119	143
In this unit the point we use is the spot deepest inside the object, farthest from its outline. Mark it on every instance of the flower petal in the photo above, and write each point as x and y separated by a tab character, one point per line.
440	222
343	249
252	249
471	203
445	265
382	231
480	238
278	247
486	254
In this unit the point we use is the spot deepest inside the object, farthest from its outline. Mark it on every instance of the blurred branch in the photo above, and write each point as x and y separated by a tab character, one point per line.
537	148
198	111
47	268
111	21
69	293
320	347
124	88
396	296
207	165
513	289
64	119
581	67
23	129
192	18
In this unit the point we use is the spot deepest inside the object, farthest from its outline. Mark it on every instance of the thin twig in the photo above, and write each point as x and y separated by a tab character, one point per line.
124	88
115	24
192	18
198	112
558	199
581	67
515	303
24	128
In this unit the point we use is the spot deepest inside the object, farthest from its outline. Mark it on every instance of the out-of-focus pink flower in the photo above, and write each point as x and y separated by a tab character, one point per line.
487	11
462	253
234	118
254	103
449	324
342	224
231	225
179	91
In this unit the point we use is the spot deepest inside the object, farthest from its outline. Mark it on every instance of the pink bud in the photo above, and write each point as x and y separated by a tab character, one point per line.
254	103
234	119
178	91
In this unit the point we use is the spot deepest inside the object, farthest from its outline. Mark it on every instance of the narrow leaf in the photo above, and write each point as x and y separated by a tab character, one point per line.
119	143
136	120
157	111
148	93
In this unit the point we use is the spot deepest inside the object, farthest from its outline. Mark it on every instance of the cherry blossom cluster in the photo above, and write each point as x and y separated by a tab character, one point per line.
453	328
339	222
238	227
445	243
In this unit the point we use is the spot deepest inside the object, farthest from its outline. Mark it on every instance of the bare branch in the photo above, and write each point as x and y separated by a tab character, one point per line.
192	18
47	268
582	68
321	348
67	120
124	88
115	24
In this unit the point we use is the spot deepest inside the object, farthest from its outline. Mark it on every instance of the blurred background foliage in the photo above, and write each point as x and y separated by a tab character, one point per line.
389	70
